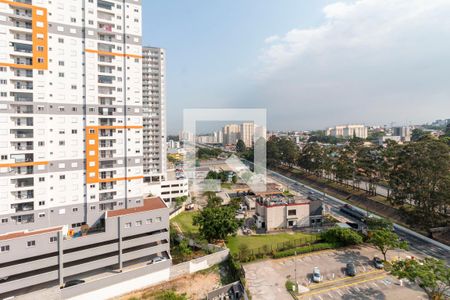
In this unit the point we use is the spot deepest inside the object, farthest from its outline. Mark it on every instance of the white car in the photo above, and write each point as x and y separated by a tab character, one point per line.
157	259
316	275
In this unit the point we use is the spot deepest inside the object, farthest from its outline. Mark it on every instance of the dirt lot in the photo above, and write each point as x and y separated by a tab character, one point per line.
196	286
266	279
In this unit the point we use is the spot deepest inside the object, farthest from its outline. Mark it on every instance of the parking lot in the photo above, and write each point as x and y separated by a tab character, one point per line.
266	279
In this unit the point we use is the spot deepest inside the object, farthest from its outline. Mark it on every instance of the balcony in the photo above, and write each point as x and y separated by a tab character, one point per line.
105	69
23	48
20	12
106	186
20	207
106	90
23	24
23	182
23	121
106	100
103	79
105	59
106	144
107	196
24	109
106	165
107	121
105	47
22	135
22	171
23	97
107	174
28	146
105	16
23	73
24	219
105	5
23	37
106	27
23	195
21	158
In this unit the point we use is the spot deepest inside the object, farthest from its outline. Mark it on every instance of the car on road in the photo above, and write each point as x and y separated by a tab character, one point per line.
316	275
350	269
158	259
378	263
73	282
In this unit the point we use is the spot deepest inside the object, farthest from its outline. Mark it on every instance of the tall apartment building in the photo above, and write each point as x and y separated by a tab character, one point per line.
348	131
246	133
71	136
231	134
404	132
154	110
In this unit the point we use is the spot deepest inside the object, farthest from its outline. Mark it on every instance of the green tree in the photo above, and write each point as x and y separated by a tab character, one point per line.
234	179
216	223
342	236
183	249
430	274
379	223
273	152
214	201
385	240
421	176
419	134
240	146
288	151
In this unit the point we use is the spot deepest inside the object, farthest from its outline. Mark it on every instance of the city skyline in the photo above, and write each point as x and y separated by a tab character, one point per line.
306	94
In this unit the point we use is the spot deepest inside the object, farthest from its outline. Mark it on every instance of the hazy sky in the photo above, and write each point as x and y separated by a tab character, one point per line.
310	63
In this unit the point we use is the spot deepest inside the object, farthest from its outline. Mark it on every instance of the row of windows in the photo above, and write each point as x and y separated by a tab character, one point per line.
30	244
139	223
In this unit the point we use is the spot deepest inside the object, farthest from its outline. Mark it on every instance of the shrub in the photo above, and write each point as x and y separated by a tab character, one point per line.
342	236
289	286
304	249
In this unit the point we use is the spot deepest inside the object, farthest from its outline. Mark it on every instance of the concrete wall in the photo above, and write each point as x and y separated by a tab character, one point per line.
128	281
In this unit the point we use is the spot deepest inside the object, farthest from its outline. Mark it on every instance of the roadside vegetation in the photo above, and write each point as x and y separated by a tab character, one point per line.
416	175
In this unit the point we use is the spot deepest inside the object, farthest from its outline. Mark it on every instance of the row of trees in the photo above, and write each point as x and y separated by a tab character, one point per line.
416	175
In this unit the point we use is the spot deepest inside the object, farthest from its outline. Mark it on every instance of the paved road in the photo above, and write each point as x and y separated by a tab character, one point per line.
416	241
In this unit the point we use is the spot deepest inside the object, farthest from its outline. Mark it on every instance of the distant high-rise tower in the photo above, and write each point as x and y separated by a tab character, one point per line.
154	105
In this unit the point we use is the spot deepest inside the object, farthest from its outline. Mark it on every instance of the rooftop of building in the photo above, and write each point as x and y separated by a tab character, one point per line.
149	204
25	233
282	200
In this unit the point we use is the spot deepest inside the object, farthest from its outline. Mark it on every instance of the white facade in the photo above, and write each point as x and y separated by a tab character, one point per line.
70	111
348	131
154	101
246	133
231	134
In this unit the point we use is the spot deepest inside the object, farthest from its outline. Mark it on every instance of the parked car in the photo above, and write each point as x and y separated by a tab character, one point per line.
350	270
158	259
73	282
378	263
316	275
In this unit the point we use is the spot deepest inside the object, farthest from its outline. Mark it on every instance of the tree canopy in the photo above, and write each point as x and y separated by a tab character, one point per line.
216	223
430	274
385	240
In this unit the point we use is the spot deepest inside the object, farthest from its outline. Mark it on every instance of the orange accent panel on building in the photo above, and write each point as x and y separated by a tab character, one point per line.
39	37
113	53
92	161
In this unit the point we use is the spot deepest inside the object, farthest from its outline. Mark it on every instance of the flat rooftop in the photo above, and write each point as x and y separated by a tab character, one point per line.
25	233
149	204
281	200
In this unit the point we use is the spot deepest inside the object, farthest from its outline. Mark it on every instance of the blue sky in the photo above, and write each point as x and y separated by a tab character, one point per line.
209	43
311	63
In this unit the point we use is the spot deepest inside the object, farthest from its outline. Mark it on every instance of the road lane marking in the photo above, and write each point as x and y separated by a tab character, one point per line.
348	278
339	287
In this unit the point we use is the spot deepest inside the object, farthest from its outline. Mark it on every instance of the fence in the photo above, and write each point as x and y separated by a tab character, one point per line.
244	254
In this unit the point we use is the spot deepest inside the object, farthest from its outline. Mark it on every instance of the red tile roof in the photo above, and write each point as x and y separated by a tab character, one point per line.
149	204
20	234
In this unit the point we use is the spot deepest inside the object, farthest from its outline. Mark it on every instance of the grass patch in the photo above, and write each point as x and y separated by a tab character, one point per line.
263	240
227	185
304	249
185	221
